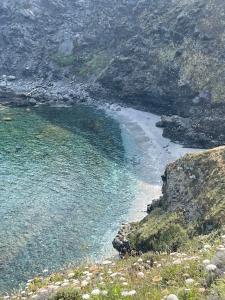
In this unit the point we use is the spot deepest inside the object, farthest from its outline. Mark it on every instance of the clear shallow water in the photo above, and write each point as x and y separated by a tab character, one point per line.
65	186
68	178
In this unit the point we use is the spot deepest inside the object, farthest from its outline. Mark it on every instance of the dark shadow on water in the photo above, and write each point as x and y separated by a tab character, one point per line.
100	130
94	125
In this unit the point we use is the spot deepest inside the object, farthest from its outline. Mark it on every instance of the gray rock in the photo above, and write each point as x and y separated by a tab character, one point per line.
11	77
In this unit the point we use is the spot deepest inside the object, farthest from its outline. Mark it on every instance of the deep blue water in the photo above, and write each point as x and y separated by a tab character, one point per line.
65	186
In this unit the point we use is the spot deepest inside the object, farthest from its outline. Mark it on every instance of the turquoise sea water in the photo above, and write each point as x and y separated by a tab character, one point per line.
65	186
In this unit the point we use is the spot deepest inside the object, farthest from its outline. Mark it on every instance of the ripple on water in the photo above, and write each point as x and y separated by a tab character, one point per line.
63	183
68	178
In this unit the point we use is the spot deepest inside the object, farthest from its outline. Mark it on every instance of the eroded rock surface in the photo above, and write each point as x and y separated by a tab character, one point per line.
192	205
165	56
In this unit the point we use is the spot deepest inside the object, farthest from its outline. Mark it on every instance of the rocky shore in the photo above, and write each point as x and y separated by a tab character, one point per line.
192	205
165	57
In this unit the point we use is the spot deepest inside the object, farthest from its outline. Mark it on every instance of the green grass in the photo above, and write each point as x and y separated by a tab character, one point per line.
64	61
153	277
94	64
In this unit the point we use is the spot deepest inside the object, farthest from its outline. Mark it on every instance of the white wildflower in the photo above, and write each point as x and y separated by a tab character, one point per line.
70	275
158	265
132	293
86	273
211	267
177	261
140	275
86	296
206	262
30	280
104	293
172	297
95	292
189	281
140	260
107	262
124	294
84	283
122	279
128	293
65	284
206	247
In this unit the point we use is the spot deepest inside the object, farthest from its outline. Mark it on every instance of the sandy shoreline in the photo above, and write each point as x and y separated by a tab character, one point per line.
151	152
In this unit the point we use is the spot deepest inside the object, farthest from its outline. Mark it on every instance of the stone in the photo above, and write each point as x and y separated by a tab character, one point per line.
11	77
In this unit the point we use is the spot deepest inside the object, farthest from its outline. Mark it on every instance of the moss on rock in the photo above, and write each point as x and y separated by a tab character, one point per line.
193	204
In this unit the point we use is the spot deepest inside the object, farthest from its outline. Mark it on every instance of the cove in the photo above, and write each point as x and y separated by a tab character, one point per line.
68	178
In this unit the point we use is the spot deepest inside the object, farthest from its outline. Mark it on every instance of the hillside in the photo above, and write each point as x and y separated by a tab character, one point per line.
193	204
163	56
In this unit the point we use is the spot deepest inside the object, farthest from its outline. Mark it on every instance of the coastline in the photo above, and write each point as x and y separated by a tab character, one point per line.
149	153
135	126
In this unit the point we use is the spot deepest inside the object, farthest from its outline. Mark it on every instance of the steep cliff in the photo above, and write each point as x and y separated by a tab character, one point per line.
192	205
166	56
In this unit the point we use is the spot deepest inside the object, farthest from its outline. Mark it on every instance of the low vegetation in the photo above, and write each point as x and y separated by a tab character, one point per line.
187	274
64	60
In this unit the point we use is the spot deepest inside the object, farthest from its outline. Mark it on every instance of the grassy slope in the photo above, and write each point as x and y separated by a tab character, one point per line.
154	276
193	203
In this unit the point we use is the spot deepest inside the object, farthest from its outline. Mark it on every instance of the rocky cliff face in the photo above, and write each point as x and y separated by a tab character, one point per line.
164	55
192	205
